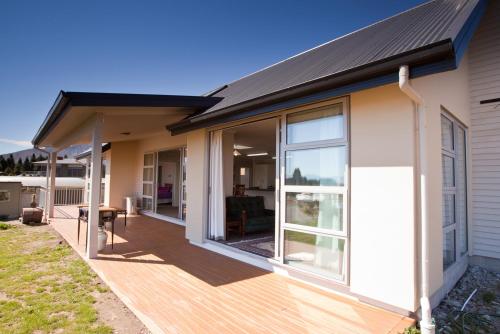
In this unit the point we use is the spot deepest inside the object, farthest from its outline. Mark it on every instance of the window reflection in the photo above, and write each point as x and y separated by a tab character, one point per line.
315	210
315	125
316	167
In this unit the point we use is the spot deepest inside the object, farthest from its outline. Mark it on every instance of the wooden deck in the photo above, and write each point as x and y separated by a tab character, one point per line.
175	287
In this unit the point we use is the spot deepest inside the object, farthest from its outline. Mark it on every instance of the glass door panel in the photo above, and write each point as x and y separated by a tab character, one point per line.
183	194
148	178
317	253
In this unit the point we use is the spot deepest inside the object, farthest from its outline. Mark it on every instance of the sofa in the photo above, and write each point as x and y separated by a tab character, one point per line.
250	211
164	194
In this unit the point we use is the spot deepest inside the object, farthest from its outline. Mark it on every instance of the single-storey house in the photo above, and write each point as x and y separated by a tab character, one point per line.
368	165
67	167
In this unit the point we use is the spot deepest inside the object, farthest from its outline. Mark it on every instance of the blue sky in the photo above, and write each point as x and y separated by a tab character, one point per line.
157	47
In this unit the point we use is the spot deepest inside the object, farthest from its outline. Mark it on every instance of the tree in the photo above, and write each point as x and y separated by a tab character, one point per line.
27	166
18	169
3	163
10	162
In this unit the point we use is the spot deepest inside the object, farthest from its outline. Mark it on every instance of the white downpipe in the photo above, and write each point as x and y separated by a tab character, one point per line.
426	324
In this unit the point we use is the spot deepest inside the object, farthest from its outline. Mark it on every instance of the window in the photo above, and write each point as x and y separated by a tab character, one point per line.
454	172
314	190
316	125
4	196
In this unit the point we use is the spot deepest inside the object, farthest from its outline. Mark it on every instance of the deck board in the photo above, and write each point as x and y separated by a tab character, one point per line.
175	287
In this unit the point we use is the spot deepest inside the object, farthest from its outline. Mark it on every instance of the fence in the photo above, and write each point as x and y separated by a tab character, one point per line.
64	196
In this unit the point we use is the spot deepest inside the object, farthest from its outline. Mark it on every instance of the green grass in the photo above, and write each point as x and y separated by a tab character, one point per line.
5	226
45	287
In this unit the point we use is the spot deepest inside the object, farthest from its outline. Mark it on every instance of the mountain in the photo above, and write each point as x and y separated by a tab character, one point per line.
70	152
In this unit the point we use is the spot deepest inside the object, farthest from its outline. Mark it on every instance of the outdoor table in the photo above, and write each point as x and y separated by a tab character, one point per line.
83	215
121	211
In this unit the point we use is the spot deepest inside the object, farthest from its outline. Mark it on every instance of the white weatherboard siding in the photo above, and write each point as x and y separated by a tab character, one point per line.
484	62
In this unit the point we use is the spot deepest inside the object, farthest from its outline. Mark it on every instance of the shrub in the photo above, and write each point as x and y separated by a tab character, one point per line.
488	297
412	330
5	226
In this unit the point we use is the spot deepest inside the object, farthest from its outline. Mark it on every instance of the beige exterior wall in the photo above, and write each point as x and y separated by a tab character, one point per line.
123	172
126	162
197	180
382	197
448	90
384	189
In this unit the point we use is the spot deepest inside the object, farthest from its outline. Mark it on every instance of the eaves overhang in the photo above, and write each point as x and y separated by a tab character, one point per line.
67	100
440	56
431	59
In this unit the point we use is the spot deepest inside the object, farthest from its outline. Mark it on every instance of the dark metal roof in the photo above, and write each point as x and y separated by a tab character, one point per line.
424	34
88	153
85	99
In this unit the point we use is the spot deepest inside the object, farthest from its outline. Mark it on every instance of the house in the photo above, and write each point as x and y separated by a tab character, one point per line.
67	167
68	190
84	159
367	165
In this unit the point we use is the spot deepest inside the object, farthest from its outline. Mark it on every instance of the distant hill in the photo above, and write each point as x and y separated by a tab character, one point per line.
70	152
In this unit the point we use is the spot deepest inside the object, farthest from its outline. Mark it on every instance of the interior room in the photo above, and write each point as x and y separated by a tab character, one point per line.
168	183
249	153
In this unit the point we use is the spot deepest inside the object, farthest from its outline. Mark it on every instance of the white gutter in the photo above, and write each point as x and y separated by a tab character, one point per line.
426	323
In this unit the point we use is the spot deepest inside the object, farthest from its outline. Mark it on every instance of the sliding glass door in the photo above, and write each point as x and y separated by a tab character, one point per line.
313	190
148	182
164	183
183	194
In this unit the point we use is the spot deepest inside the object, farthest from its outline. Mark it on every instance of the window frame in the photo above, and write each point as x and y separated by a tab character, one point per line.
152	182
340	190
8	196
453	190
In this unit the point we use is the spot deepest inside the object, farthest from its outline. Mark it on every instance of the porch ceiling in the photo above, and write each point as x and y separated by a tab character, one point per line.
125	116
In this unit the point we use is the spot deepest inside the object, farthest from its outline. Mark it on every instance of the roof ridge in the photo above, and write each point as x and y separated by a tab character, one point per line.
330	41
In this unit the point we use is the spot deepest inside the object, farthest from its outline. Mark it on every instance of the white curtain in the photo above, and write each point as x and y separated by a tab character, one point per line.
217	205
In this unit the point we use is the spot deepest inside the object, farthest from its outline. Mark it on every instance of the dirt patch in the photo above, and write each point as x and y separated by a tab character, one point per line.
115	314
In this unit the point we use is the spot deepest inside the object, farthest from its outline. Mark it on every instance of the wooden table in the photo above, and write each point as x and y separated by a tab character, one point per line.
102	210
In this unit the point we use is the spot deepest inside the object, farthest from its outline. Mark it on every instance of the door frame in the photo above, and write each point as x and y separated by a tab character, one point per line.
280	117
182	153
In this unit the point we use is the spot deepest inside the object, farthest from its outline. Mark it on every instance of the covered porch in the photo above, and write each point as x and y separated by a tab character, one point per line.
98	118
176	287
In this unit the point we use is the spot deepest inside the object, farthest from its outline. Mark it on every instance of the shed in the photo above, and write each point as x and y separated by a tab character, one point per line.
10	199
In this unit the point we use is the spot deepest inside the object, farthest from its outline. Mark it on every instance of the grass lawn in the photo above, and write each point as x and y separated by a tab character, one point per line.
44	286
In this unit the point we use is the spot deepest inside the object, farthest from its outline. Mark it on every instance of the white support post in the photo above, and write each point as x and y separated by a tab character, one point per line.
95	187
46	198
52	186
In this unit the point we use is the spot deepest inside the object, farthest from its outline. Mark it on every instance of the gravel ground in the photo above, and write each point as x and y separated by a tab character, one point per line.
482	312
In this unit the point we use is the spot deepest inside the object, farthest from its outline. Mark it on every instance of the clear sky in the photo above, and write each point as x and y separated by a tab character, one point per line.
157	47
